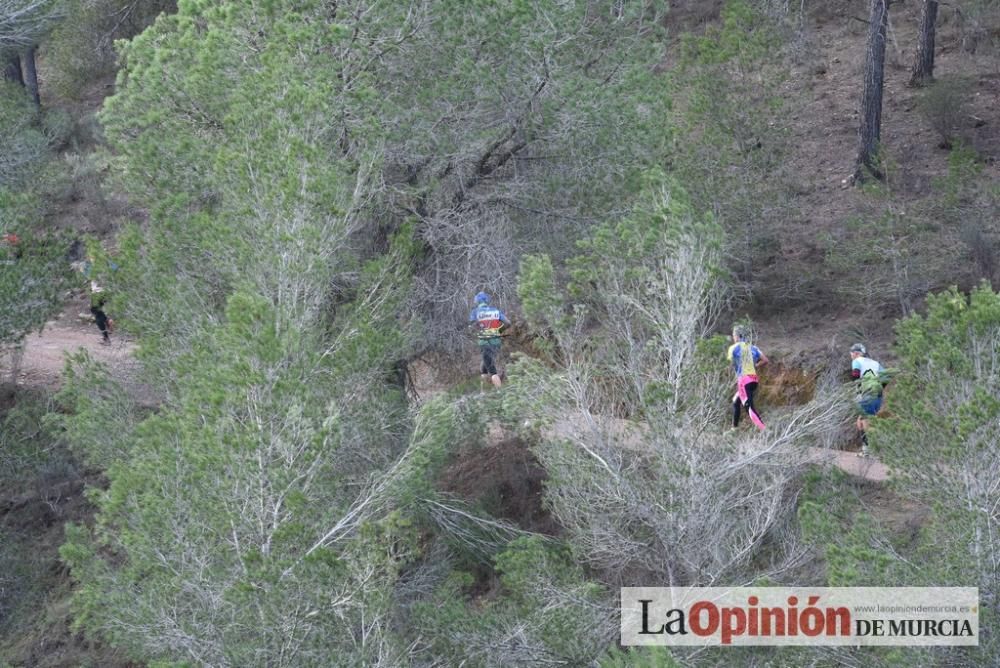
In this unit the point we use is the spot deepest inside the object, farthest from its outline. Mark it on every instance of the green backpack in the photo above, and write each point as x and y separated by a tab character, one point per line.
872	383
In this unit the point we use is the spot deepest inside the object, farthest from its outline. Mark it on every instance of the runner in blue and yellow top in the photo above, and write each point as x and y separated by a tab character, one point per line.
488	321
745	359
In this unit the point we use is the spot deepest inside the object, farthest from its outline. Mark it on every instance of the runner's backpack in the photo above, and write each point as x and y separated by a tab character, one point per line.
873	383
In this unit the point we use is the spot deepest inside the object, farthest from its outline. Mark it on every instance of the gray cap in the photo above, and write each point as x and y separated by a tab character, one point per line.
859	348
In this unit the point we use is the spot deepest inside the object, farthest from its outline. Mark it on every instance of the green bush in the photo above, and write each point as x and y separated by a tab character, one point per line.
33	276
968	199
730	137
23	145
639	657
979	26
543	603
945	106
30	450
938	439
57	126
888	256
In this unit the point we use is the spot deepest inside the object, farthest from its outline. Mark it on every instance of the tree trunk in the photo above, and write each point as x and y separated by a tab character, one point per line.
31	75
870	130
12	70
923	65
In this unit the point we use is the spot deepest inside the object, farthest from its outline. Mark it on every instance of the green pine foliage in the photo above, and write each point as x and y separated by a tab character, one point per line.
261	136
654	282
535	618
639	657
326	184
23	145
246	521
943	404
33	277
33	273
938	437
33	467
513	128
241	164
266	450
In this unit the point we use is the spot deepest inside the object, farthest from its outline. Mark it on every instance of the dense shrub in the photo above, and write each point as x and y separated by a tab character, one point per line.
945	106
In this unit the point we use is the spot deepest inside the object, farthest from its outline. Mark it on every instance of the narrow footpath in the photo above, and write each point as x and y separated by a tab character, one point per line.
44	358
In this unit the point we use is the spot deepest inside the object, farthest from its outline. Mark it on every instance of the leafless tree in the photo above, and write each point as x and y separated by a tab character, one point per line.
22	25
674	498
667	495
23	22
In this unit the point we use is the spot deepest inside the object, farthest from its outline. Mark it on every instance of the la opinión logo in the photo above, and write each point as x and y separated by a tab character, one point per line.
705	618
800	616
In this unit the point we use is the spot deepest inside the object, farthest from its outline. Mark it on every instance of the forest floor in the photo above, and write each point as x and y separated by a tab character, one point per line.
808	311
32	528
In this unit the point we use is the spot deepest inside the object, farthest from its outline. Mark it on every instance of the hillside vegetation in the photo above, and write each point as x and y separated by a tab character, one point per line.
286	457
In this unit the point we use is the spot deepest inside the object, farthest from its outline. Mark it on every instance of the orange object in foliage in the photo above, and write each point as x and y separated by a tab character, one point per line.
11	238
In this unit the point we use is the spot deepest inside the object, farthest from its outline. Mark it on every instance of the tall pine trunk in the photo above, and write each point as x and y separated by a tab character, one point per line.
31	75
870	130
12	70
923	64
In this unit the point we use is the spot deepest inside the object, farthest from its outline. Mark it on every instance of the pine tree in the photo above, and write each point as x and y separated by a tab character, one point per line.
923	62
870	130
32	269
248	517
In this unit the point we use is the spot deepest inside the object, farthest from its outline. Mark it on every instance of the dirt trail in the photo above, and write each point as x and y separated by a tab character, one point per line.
44	355
868	468
628	436
430	382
